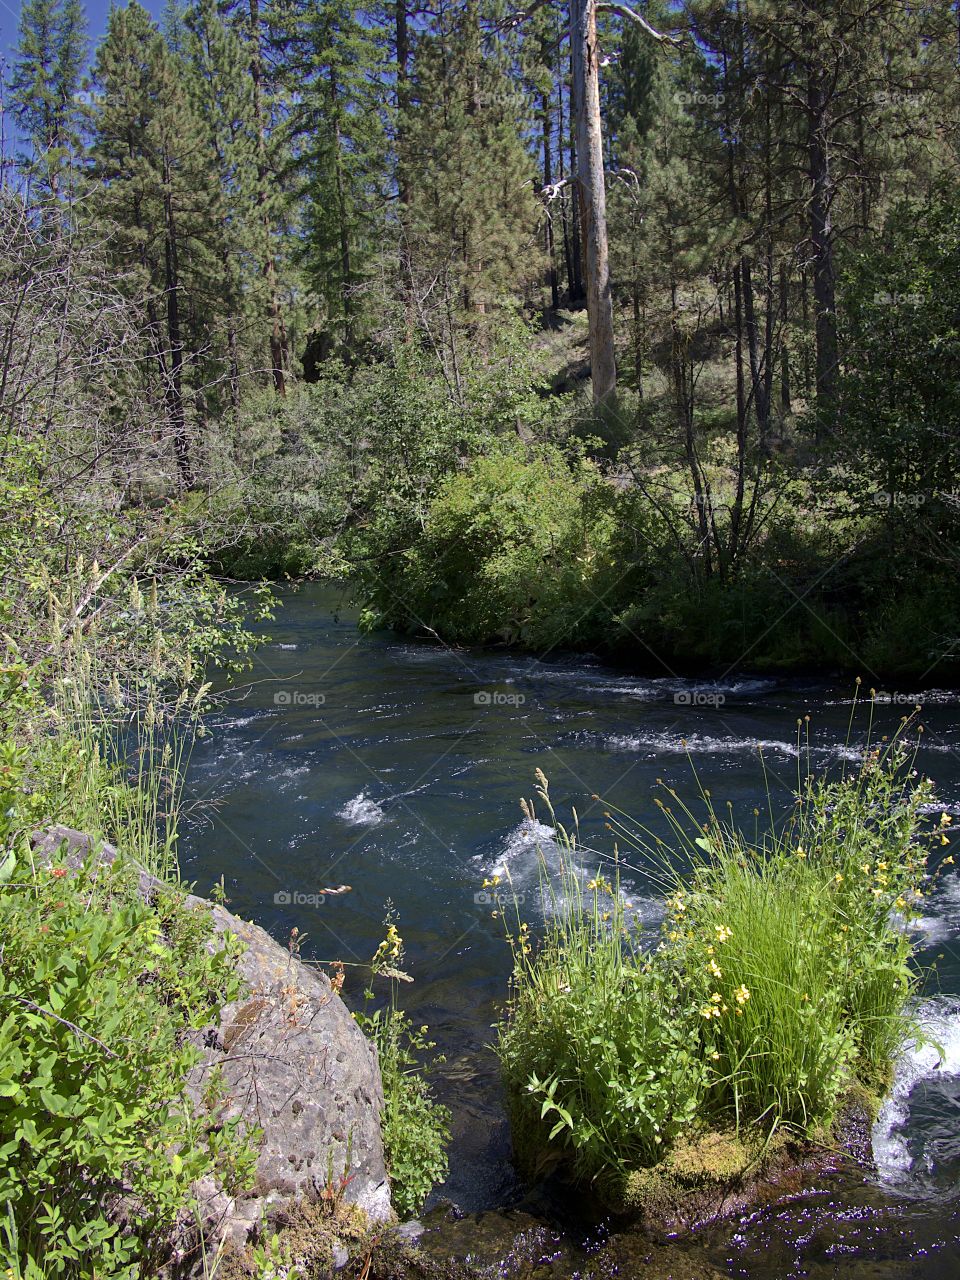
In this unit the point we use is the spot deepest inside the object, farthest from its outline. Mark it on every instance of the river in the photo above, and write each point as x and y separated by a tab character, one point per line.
396	767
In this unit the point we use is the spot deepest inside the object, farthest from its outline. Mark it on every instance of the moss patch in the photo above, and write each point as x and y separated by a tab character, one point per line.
304	1236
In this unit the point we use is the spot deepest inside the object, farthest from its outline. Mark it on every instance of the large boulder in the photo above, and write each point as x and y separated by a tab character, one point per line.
293	1064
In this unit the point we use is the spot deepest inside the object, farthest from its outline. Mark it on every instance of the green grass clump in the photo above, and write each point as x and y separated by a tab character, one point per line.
780	982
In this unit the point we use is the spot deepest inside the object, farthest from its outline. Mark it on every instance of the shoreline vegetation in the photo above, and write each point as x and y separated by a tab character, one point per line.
762	1024
104	990
301	289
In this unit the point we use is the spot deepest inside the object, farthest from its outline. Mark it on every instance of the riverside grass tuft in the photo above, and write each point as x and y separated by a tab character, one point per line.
779	988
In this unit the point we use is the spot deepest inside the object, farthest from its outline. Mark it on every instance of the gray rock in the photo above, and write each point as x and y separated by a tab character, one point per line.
296	1065
293	1063
410	1232
340	1256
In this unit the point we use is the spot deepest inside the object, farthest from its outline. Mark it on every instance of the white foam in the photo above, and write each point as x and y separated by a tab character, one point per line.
520	856
705	744
603	681
676	744
939	1021
361	811
531	866
905	702
238	722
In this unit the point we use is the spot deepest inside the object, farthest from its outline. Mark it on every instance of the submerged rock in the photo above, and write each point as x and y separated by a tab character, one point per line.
292	1063
514	1245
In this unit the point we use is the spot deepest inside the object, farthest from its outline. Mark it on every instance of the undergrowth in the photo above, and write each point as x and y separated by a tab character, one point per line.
781	979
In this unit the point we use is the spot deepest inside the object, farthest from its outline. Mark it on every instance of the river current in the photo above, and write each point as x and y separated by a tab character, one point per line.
396	768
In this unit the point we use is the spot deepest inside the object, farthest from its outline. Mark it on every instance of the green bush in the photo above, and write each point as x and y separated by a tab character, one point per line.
516	548
781	981
98	1144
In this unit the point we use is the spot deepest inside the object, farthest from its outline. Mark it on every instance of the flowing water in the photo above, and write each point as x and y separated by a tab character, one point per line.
396	768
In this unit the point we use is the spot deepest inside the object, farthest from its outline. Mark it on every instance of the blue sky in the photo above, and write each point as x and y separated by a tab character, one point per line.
97	11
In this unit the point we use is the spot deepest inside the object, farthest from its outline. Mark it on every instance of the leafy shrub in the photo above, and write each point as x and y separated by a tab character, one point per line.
515	548
781	980
98	1145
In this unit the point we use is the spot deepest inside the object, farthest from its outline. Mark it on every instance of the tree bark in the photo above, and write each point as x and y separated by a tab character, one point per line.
785	406
593	198
821	236
278	331
547	180
174	387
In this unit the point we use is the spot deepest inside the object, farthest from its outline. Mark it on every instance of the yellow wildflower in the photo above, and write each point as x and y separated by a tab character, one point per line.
742	994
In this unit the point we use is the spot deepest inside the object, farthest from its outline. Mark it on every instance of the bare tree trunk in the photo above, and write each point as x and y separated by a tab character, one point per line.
821	235
784	349
639	330
593	197
575	262
174	387
547	180
278	332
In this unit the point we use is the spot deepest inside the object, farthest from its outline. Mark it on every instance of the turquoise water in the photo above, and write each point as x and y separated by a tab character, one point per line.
396	768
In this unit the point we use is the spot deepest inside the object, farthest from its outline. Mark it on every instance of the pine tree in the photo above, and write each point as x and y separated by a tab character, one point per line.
151	156
335	64
222	91
472	214
44	89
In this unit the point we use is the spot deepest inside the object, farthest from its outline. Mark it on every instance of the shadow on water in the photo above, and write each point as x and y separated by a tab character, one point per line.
396	768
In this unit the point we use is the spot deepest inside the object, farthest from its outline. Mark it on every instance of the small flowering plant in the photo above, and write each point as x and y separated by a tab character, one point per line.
782	978
415	1126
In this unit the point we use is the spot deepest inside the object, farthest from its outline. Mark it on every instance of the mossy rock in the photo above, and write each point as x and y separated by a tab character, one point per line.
314	1236
696	1179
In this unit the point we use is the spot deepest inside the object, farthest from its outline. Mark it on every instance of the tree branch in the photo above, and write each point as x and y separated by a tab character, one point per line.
553	189
624	11
515	19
